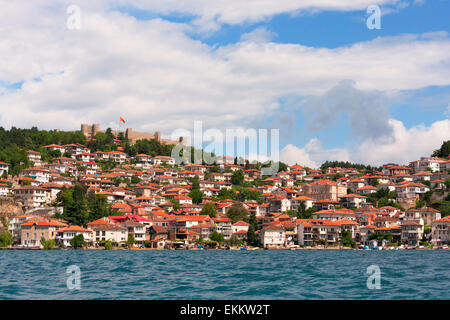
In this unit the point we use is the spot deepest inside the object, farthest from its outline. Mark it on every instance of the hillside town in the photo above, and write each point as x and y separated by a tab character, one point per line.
147	201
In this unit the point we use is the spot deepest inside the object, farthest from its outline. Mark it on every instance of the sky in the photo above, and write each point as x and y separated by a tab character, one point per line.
313	69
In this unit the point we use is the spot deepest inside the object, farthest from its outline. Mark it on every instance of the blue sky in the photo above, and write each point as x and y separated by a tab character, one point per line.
334	88
334	29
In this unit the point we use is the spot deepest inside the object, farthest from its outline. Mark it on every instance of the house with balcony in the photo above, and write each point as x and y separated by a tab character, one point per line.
138	230
40	174
428	215
4	189
352	200
32	231
280	204
55	147
106	229
272	236
409	192
431	164
224	226
32	196
324	189
35	157
158	160
440	231
117	156
412	231
66	234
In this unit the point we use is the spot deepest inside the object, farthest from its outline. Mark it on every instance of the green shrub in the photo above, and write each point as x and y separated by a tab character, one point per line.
108	245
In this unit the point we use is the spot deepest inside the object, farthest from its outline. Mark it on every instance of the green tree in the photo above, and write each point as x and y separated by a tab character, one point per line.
209	209
196	196
443	151
216	236
176	204
347	240
252	238
237	178
130	240
78	241
237	212
444	208
6	239
135	180
196	183
75	204
48	244
97	206
108	245
380	236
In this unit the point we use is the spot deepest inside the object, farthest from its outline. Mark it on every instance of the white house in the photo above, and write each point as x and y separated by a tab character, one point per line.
240	226
68	233
163	159
39	174
4	189
34	157
32	196
295	202
272	237
182	199
117	156
4	167
105	229
55	147
426	163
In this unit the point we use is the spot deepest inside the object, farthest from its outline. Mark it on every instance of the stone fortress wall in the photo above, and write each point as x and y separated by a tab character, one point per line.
90	130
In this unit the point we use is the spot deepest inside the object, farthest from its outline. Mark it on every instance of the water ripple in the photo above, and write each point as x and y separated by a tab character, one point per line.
224	274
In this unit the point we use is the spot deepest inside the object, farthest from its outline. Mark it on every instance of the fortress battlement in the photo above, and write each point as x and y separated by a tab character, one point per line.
90	130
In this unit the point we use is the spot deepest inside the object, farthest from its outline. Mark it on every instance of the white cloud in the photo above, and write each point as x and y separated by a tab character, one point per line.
260	34
367	111
154	75
312	154
406	144
211	14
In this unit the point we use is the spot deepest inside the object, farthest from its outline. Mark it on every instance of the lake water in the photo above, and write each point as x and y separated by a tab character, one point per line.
212	274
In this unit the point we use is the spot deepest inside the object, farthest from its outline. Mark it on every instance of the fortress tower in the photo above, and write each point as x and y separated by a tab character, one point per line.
158	136
85	129
90	131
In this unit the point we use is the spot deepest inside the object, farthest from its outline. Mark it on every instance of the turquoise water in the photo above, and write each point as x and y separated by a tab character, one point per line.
224	274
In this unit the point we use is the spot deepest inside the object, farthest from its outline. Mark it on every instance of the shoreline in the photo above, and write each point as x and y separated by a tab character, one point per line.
221	249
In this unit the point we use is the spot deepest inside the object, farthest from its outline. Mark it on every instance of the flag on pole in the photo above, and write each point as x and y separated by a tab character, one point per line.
121	119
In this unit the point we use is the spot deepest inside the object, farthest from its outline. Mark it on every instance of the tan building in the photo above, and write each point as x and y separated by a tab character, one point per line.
428	215
440	231
32	231
105	229
412	231
324	189
32	196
